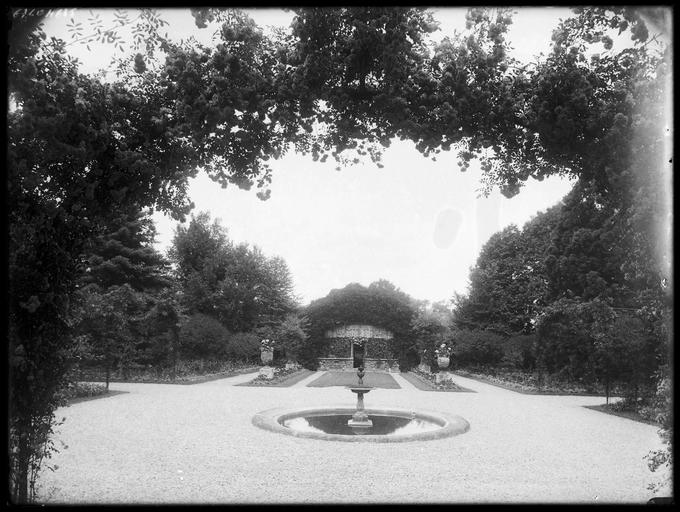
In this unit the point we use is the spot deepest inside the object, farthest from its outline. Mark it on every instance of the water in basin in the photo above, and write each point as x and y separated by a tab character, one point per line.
337	424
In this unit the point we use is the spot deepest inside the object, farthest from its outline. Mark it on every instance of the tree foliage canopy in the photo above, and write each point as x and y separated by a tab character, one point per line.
234	283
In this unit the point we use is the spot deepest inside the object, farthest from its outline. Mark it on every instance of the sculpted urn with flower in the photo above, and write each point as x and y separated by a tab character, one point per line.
443	355
267	350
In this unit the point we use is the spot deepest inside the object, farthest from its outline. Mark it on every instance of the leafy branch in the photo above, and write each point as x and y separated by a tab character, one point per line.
147	22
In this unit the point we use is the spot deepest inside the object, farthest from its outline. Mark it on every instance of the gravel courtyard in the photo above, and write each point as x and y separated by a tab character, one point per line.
161	443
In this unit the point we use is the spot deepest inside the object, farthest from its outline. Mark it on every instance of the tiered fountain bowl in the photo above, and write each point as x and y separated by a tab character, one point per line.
342	423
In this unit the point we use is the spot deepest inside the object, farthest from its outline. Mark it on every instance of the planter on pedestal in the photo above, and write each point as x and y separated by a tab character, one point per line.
443	376
267	356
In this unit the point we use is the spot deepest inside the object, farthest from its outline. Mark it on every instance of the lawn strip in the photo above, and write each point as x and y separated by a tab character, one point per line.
372	379
425	385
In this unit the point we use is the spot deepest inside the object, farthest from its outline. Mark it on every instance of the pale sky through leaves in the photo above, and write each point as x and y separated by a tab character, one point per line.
417	223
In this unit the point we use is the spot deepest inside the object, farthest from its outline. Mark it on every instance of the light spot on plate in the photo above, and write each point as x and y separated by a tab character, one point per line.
446	228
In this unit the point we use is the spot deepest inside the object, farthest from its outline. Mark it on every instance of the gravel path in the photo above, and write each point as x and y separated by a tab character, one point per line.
161	443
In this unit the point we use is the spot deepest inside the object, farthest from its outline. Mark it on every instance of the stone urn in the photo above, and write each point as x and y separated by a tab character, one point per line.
266	355
443	362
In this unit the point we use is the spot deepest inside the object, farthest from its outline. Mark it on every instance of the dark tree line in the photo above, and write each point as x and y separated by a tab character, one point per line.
219	298
562	282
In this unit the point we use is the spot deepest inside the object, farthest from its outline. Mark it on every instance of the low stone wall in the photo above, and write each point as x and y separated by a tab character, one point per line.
385	365
335	363
370	364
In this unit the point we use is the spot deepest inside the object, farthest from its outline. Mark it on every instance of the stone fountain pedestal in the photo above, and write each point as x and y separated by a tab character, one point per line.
360	423
267	356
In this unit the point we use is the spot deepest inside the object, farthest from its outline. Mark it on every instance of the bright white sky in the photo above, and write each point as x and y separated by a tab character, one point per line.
417	223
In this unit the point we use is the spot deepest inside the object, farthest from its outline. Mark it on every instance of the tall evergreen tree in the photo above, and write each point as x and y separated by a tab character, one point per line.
123	275
126	255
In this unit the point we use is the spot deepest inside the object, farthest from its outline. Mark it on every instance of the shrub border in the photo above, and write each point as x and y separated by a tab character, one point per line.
110	392
465	374
622	414
199	379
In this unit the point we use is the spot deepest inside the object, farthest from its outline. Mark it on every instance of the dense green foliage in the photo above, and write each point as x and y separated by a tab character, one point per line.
561	280
291	336
78	151
202	336
236	284
477	348
243	346
216	305
595	295
126	255
430	327
107	324
119	285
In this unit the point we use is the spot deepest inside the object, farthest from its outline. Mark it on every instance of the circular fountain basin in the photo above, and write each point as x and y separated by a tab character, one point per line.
389	425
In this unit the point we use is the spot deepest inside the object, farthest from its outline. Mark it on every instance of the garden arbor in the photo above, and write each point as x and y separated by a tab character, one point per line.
358	322
356	345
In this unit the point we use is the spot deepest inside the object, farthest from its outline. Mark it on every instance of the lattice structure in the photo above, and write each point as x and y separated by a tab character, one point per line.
353	343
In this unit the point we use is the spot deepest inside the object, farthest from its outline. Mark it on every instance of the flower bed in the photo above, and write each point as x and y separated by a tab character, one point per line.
644	410
282	377
198	379
188	372
616	409
429	379
77	392
84	390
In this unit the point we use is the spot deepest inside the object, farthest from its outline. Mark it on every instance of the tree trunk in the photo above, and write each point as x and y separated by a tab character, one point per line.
23	457
108	374
606	389
175	349
124	370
